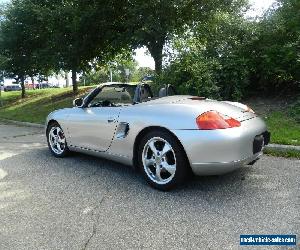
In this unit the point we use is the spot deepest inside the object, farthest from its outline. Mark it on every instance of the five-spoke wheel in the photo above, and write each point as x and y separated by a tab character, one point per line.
162	159
159	160
57	140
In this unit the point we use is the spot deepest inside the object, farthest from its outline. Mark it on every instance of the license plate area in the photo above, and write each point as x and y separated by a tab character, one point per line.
267	137
258	144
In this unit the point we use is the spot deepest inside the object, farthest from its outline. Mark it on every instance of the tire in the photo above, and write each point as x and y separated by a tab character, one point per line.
56	140
166	168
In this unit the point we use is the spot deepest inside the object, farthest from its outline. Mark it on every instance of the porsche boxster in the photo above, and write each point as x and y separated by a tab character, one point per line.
166	137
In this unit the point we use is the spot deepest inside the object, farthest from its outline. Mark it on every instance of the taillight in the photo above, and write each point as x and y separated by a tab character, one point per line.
214	120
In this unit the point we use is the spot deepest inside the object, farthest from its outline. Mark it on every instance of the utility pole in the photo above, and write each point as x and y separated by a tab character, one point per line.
127	73
1	84
1	104
67	78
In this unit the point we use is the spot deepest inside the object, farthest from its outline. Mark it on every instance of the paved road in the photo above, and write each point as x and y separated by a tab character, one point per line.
83	202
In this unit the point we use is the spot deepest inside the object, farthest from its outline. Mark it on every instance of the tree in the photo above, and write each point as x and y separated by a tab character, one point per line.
152	23
117	66
225	38
141	73
21	48
39	35
275	50
82	31
122	63
211	58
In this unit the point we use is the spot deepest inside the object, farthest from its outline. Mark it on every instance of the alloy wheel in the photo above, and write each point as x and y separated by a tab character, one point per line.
57	140
159	160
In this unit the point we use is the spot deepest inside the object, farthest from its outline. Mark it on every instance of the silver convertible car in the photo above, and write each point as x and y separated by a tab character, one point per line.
166	137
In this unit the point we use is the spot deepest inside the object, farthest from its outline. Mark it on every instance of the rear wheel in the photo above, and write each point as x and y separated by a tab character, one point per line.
162	160
56	140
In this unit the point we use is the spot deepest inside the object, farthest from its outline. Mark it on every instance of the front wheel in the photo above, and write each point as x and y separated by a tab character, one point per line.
163	160
56	140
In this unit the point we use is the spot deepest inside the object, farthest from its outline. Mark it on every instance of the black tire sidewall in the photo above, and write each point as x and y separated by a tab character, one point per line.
181	160
66	150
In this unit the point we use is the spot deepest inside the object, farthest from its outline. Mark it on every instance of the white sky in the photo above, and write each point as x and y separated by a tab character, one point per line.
262	3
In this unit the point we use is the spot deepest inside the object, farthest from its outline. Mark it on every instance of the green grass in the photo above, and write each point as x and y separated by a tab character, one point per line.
283	153
37	104
284	128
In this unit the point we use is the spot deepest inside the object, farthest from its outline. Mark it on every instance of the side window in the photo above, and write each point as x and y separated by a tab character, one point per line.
111	97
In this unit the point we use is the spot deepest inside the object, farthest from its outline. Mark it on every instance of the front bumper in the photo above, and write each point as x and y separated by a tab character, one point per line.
214	152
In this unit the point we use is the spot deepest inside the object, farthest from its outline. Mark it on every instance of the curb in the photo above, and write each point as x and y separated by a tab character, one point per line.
279	147
26	124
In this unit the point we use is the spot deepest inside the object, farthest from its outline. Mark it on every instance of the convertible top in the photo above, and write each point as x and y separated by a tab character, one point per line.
120	83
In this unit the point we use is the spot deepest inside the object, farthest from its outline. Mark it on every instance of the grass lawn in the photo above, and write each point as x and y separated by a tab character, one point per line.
283	122
282	116
284	128
283	153
38	103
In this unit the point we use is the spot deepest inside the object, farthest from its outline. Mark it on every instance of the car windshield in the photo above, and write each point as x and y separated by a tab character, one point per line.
125	94
114	96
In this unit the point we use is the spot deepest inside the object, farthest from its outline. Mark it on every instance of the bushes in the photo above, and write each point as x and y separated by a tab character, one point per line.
233	77
210	77
212	60
230	57
276	50
294	111
192	74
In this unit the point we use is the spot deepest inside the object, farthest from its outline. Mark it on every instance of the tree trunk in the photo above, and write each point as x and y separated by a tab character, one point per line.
22	79
74	81
32	79
158	62
156	51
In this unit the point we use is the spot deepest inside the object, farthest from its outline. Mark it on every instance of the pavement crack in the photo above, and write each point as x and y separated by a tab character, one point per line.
96	221
17	136
23	142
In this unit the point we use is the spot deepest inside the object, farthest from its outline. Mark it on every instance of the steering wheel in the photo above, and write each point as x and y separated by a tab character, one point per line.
107	103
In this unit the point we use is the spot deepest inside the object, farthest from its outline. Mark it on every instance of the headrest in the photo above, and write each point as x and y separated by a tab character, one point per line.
162	92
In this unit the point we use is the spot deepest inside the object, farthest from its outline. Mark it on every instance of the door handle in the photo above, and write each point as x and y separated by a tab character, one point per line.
110	120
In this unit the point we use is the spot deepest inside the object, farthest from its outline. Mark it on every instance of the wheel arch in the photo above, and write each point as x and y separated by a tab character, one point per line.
50	122
147	130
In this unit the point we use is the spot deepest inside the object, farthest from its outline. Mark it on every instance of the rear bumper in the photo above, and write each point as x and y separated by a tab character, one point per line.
214	152
219	168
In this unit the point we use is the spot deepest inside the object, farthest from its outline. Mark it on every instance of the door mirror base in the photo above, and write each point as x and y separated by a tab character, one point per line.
78	102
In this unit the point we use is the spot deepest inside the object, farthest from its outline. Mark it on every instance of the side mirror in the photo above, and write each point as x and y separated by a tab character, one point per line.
78	102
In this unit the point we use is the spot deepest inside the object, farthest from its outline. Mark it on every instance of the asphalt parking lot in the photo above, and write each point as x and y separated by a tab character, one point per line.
83	202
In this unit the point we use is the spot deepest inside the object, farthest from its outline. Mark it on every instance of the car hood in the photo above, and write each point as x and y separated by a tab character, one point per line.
233	109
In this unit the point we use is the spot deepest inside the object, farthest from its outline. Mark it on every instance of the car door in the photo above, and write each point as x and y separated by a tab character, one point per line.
93	128
93	125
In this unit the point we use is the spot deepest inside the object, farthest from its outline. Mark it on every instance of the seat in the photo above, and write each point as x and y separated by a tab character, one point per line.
162	92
